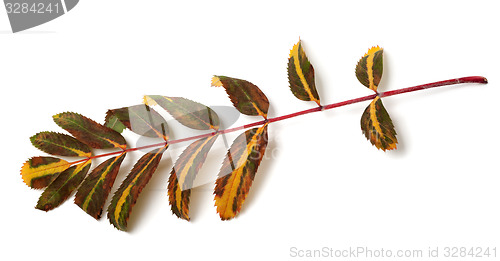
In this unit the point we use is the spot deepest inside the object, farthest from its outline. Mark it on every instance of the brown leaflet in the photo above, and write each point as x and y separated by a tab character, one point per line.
125	197
62	187
95	189
90	132
60	144
238	171
183	174
244	95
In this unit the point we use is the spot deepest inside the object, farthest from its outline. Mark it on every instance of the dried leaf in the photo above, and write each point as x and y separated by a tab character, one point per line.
238	171
377	126
140	119
90	132
301	75
370	67
183	174
38	172
126	196
60	144
95	189
244	95
62	187
189	113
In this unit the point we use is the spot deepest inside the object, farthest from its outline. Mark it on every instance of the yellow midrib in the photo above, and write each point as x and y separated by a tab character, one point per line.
182	176
126	192
298	69
32	173
236	174
373	115
89	196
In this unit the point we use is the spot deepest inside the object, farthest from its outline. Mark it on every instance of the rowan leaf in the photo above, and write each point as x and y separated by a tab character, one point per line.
140	119
95	189
370	67
238	171
61	188
38	172
126	196
60	144
90	132
245	96
377	126
301	75
184	172
189	113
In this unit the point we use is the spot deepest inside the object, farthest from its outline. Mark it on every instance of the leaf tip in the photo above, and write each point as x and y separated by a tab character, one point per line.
295	49
216	82
147	100
373	50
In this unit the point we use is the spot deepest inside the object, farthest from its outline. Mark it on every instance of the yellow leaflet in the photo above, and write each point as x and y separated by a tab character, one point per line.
29	173
295	54
235	177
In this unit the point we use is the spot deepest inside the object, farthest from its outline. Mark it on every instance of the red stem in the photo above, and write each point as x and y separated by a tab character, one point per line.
471	79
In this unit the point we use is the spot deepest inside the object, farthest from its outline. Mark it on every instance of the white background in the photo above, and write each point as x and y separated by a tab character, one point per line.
322	184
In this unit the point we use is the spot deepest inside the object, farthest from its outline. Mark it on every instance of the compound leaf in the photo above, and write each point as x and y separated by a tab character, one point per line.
189	113
238	171
38	172
60	144
140	119
62	187
244	95
301	75
90	132
95	189
370	67
377	126
126	196
183	174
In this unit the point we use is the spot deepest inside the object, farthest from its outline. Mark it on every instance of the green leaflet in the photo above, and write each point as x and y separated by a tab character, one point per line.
301	75
94	191
377	126
38	172
238	171
244	95
140	119
370	68
126	196
62	187
90	132
114	123
60	144
183	174
189	113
